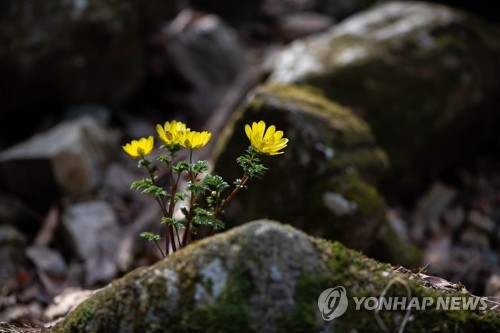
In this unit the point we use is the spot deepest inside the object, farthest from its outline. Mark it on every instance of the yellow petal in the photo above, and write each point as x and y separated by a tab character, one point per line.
270	132
255	128
261	127
278	135
283	141
248	131
150	144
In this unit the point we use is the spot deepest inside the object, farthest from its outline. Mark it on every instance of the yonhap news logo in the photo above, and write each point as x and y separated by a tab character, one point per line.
332	303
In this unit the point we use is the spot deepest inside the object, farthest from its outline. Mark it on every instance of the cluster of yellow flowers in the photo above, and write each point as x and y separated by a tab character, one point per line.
265	142
175	134
172	133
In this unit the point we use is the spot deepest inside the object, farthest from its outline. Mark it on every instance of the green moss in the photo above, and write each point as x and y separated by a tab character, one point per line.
351	130
367	278
366	197
229	313
325	140
391	248
425	102
84	315
140	302
304	315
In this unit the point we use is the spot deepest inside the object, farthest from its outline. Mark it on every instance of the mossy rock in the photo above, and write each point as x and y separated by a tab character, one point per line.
262	277
424	76
323	183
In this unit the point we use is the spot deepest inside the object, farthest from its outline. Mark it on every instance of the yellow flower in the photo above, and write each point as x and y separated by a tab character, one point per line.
139	148
193	139
170	131
268	142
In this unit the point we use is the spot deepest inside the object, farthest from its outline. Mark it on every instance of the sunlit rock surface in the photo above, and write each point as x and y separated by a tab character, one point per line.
424	76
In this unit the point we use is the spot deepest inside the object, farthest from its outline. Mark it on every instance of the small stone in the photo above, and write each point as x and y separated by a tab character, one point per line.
95	235
482	222
47	260
432	206
337	204
476	238
492	288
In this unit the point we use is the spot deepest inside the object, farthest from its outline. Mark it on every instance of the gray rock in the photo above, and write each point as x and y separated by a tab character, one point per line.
492	288
68	159
424	76
482	222
430	209
475	238
261	277
95	234
12	259
322	181
47	260
197	51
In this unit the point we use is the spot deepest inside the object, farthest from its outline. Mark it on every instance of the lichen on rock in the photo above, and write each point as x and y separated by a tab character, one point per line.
269	277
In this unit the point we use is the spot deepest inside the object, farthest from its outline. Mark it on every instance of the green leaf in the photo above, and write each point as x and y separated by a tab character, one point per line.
196	189
165	159
180	196
137	185
150	236
180	167
143	162
216	182
217	224
155	190
256	170
171	148
171	221
202	212
199	167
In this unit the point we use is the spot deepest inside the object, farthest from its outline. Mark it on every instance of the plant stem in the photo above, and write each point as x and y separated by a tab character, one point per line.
185	238
171	208
238	187
159	248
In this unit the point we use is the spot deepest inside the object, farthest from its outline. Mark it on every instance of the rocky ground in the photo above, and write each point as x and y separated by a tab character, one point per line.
69	222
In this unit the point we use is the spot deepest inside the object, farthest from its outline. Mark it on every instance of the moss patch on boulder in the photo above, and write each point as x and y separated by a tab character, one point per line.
424	76
323	183
261	277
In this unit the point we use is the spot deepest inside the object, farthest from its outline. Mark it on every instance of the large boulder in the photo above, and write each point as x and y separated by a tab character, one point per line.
267	277
323	181
425	77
